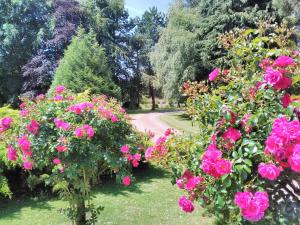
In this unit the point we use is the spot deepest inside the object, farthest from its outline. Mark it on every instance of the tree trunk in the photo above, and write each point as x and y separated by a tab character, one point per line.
152	94
80	212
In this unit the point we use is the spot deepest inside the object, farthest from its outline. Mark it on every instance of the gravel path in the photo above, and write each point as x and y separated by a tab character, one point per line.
150	121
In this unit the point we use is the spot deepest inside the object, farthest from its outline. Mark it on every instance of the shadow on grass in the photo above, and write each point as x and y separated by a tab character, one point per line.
12	208
144	174
184	117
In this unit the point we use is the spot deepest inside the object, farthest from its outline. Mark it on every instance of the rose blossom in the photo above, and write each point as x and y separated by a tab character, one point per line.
126	180
27	165
272	76
185	204
114	118
33	127
124	149
214	74
56	161
284	61
11	153
268	171
59	89
286	100
252	207
61	148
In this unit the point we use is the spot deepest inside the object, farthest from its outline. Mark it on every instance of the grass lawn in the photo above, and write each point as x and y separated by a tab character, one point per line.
152	200
180	121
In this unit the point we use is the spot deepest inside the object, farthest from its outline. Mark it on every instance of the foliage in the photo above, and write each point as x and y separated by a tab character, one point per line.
72	139
238	112
85	67
23	24
66	16
188	47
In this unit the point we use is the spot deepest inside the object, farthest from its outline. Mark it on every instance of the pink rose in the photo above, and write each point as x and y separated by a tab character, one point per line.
268	171
283	83
214	74
25	145
126	180
62	148
59	89
294	159
79	132
223	167
114	118
5	122
124	149
27	165
284	61
33	127
272	77
11	153
56	161
185	204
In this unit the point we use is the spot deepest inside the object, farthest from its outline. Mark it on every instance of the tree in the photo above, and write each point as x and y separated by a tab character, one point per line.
85	67
147	33
23	24
188	46
38	71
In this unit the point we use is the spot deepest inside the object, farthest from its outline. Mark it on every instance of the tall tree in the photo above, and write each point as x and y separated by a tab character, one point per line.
85	67
38	72
147	33
188	47
23	23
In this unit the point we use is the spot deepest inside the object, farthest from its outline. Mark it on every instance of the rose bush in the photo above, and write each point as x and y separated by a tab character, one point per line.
69	141
244	165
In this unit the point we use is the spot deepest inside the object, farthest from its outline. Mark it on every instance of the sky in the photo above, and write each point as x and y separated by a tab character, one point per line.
137	7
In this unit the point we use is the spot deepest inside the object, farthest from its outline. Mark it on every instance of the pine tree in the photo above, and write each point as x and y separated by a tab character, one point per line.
85	67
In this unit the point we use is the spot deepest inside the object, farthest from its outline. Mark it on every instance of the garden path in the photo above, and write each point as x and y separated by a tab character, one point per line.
150	122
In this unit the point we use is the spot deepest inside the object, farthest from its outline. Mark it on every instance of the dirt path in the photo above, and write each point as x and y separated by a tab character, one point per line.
150	121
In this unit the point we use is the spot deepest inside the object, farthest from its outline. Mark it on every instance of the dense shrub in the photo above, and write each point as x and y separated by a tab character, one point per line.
69	141
244	165
84	67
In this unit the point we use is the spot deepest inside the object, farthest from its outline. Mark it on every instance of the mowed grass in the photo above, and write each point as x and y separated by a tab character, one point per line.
181	122
151	200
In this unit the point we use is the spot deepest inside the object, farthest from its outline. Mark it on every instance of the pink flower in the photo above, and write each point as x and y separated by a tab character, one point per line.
268	171
61	124
283	83
24	112
232	135
89	130
40	97
252	207
114	118
179	183
11	153
294	159
126	180
223	167
137	156
25	145
56	161
62	148
22	105
149	153
214	74
168	132
135	163
185	204
33	127
124	149
58	98
284	61
272	77
122	110
59	89
79	132
286	100
5	122
265	63
192	183
244	121
27	165
226	71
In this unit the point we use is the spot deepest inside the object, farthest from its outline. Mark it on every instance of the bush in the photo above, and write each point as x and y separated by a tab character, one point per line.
245	164
69	141
85	67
